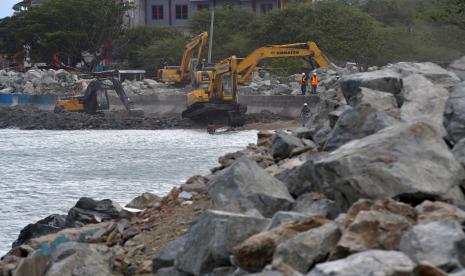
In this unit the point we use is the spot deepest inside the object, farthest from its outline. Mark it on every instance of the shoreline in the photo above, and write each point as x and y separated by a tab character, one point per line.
29	117
352	193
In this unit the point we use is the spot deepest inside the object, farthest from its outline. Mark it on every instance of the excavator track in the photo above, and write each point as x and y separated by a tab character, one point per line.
232	114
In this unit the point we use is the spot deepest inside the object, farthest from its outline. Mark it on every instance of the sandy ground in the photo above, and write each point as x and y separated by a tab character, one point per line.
271	126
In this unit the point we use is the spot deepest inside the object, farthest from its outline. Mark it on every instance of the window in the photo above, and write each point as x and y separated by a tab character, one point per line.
181	11
264	8
203	7
157	12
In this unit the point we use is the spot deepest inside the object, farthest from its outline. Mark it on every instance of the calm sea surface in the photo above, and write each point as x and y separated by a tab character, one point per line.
45	172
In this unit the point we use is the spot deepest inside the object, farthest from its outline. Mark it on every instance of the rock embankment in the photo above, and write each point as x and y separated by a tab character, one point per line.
379	193
30	117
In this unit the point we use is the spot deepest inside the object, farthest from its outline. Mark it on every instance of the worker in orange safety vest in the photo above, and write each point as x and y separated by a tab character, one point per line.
314	83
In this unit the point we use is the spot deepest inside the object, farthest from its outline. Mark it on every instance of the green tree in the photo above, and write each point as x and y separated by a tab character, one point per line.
342	31
133	45
151	52
231	32
72	28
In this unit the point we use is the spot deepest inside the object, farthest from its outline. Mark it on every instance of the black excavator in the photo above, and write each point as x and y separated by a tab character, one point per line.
95	99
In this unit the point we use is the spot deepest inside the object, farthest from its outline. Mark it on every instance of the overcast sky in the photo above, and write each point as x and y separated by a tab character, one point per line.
5	7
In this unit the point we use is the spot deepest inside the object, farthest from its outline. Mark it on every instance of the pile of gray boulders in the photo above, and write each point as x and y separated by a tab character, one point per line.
380	193
148	87
38	81
61	82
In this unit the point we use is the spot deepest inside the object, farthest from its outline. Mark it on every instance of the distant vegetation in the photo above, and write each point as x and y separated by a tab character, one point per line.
369	32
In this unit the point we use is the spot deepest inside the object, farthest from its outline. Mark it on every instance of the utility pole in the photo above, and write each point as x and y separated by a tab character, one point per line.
210	42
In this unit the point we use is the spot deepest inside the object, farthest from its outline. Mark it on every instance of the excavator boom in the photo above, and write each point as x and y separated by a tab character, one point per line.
247	65
95	98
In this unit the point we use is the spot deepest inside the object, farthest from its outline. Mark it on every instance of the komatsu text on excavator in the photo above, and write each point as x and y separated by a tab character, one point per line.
219	101
183	74
95	99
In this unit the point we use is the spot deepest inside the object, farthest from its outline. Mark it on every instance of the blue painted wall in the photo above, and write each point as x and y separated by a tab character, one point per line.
41	101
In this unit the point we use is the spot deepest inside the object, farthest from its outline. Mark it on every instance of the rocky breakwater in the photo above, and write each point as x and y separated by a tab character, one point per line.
37	81
373	189
30	117
62	82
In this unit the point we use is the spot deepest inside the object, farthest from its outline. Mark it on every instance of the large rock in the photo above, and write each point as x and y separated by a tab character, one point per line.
374	225
282	217
411	157
357	123
48	225
431	71
372	262
211	239
88	210
459	151
382	80
298	180
316	203
333	116
283	144
196	183
430	211
245	186
423	100
143	201
378	99
254	253
168	255
80	259
454	115
458	66
434	243
308	248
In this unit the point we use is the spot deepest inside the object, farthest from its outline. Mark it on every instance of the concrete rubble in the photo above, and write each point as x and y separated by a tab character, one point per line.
330	198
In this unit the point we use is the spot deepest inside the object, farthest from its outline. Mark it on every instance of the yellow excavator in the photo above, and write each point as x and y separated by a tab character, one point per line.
219	101
183	74
307	50
247	65
95	99
215	95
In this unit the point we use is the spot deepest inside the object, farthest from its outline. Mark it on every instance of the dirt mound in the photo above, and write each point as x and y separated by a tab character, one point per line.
29	117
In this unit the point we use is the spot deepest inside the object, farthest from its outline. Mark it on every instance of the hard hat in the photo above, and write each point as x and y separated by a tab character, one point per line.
314	73
303	74
305	104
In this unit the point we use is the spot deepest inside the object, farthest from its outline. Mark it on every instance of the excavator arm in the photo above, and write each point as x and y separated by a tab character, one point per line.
107	84
247	65
182	73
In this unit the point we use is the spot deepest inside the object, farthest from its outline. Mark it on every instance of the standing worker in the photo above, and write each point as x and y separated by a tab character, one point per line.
314	82
305	114
211	129
303	83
